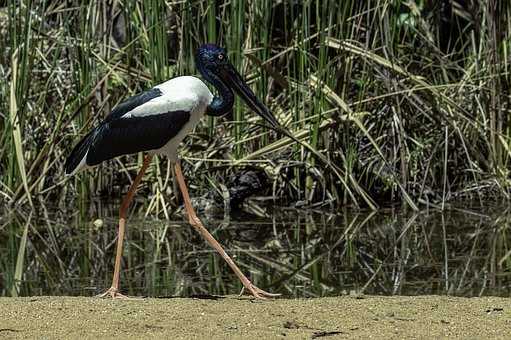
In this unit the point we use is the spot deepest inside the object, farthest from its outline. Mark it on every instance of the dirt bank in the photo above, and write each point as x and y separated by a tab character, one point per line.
232	317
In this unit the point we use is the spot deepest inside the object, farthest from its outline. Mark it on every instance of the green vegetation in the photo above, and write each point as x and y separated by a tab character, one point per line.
396	101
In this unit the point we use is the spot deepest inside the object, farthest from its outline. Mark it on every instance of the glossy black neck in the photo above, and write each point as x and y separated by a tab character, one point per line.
222	103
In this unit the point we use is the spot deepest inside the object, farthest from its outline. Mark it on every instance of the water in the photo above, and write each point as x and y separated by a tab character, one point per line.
465	252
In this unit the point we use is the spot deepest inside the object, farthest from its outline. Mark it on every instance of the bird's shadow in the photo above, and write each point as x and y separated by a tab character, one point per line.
194	296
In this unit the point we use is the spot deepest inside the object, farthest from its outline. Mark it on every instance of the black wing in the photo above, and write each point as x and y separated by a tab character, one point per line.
124	136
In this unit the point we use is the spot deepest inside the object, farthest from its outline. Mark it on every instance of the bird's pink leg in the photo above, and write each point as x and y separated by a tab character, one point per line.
197	224
113	292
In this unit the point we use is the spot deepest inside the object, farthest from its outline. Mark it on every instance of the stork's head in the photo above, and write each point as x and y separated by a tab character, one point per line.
213	64
211	56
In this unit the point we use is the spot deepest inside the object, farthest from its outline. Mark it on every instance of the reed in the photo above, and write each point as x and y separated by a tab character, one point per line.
396	102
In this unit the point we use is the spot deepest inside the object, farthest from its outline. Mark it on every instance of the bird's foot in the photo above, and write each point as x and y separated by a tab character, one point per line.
112	293
256	292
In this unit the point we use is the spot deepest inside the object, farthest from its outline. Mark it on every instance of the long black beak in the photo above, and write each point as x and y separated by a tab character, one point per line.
233	79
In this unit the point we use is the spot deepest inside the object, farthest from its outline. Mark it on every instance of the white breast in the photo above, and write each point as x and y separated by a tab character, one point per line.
182	93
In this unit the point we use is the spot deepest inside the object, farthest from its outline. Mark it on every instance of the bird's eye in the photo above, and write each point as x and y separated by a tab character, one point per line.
221	56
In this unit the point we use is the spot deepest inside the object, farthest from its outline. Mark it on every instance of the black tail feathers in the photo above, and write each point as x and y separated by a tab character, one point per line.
79	151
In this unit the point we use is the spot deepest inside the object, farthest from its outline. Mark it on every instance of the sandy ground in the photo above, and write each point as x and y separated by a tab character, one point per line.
243	318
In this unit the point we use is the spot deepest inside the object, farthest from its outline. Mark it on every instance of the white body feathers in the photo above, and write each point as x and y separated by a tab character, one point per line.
182	93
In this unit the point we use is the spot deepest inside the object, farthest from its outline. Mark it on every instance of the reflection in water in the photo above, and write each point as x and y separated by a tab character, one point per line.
295	253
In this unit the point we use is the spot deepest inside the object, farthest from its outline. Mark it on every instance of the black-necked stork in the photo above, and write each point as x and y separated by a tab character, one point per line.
156	121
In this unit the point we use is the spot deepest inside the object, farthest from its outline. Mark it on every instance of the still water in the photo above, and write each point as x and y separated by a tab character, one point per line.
297	253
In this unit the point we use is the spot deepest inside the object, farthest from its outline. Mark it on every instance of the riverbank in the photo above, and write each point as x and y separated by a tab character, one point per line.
233	317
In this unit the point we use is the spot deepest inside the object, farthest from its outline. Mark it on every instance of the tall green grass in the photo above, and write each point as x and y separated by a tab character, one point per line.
394	101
